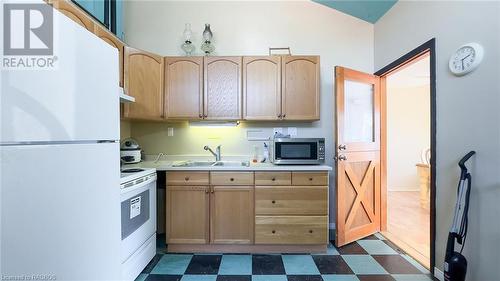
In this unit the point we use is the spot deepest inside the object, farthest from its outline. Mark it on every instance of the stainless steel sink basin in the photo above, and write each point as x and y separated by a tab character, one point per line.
211	164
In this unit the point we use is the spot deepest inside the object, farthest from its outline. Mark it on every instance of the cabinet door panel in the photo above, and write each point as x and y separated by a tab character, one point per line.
112	40
187	214
184	87
144	81
300	87
262	88
74	13
222	91
232	215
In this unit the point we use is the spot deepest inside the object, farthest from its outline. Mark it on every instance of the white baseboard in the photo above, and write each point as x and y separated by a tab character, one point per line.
438	274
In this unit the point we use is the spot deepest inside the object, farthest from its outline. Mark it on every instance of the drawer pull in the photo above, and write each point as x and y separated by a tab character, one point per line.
310	179
274	231
273	179
186	178
274	201
310	231
231	179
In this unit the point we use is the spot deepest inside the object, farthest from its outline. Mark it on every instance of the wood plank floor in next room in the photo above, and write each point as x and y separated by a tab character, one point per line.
370	259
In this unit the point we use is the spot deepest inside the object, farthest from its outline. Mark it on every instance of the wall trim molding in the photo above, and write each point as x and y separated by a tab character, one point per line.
438	274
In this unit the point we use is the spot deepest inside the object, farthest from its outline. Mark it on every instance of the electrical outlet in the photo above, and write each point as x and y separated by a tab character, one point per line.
277	130
292	131
170	132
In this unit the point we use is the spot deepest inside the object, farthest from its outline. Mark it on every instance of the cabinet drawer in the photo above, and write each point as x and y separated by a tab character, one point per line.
309	178
273	178
187	178
291	200
291	230
231	178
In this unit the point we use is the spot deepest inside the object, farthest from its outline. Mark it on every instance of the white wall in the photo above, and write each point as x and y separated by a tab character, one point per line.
408	133
468	115
248	28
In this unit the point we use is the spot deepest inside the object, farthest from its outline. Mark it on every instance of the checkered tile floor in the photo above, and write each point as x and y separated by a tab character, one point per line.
370	259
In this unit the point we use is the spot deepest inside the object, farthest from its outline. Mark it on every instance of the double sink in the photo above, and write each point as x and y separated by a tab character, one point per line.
212	164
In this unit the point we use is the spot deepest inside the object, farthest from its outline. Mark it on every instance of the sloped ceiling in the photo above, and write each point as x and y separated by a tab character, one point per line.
367	10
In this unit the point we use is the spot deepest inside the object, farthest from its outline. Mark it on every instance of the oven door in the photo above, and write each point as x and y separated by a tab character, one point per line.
296	151
138	215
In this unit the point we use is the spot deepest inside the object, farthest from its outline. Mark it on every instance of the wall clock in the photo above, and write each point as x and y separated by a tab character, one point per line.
466	59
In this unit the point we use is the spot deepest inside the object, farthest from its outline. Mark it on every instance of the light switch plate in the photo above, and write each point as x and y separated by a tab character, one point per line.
170	132
292	131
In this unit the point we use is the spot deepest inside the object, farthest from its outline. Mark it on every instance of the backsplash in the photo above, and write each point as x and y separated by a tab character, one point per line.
189	140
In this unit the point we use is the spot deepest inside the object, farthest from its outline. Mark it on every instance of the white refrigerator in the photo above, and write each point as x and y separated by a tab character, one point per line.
59	163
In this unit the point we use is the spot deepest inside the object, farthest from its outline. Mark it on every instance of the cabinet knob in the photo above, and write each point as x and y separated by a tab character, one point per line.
310	231
279	115
186	178
274	231
273	179
274	202
231	179
310	179
284	115
342	147
206	190
200	115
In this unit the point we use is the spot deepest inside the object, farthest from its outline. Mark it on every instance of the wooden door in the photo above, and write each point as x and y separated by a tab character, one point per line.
187	214
222	91
300	87
112	40
74	13
357	154
262	88
144	81
232	215
184	87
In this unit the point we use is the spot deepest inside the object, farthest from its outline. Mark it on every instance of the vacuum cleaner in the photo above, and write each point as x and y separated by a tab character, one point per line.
455	264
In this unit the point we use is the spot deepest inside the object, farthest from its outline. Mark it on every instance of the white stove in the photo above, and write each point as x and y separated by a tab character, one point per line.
130	174
138	220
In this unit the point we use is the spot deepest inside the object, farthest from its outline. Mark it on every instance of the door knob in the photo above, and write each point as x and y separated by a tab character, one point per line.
342	147
342	157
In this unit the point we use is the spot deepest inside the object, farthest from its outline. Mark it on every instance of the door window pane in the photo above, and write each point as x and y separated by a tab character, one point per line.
358	112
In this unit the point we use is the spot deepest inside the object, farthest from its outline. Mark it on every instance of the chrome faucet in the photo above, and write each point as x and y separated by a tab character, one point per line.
216	153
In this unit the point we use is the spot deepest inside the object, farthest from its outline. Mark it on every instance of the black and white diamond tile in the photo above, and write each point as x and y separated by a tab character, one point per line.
370	259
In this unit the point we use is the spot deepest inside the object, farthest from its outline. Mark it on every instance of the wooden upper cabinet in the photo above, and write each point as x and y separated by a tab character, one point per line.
112	40
222	91
262	88
143	75
184	87
74	13
300	87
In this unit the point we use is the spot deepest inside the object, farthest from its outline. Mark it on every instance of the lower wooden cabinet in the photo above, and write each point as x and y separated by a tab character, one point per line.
217	214
187	214
231	215
246	209
291	229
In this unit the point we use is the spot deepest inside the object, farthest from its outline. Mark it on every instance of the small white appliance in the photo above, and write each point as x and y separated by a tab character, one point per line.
138	220
130	151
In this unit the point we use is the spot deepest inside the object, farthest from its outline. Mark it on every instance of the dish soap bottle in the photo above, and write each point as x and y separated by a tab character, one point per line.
265	153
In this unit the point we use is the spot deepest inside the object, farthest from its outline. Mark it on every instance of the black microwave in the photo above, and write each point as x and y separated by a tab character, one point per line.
298	151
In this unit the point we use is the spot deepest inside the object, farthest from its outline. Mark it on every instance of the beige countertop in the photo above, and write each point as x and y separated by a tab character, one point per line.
171	166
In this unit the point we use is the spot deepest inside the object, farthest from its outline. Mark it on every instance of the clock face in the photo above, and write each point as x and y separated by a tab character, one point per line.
466	59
